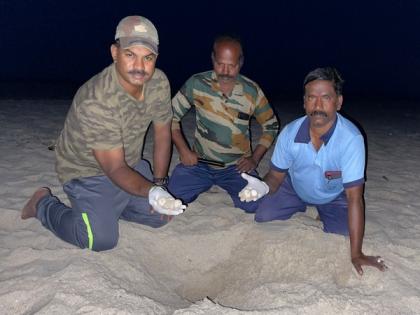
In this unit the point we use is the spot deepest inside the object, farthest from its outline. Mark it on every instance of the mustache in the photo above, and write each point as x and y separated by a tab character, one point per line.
225	76
318	113
138	72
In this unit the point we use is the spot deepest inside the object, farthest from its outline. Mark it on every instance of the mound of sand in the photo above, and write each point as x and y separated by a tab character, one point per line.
213	259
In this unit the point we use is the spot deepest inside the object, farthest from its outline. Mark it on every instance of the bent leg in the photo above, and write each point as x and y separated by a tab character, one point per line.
281	205
98	203
92	222
334	215
60	219
188	182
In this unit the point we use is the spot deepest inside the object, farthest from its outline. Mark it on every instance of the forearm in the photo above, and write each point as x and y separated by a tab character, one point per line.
179	141
161	151
113	164
274	179
258	153
356	230
130	181
356	222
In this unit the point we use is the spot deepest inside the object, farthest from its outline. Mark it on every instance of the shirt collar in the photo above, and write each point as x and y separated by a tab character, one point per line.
303	135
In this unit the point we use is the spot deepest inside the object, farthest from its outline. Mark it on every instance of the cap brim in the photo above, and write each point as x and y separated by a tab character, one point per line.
127	42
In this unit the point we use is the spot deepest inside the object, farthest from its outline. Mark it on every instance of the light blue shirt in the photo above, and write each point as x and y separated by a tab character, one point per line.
318	177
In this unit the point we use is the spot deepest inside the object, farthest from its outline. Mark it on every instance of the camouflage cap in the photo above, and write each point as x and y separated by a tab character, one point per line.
137	31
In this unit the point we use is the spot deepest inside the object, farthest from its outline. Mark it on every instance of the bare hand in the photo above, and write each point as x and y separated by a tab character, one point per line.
374	261
189	158
246	164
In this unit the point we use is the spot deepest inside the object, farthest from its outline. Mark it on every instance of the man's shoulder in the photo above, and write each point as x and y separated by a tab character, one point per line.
247	81
158	83
106	75
97	87
159	75
200	81
296	123
200	76
158	92
292	128
249	86
347	126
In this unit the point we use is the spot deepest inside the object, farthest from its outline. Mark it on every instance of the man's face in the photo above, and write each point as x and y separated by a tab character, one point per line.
321	103
226	61
135	65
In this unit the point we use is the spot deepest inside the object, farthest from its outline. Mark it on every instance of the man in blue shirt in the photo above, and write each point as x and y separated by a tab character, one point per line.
319	160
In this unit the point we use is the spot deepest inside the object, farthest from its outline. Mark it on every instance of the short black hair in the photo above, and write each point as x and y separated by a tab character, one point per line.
229	38
329	74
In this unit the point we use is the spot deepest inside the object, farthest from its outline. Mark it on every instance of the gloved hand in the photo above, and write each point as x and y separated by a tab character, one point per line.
164	203
254	190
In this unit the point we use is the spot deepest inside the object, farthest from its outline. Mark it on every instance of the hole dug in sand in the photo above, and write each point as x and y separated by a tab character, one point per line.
250	267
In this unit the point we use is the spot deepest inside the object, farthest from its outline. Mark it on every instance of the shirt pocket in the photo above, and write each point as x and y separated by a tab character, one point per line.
333	180
241	119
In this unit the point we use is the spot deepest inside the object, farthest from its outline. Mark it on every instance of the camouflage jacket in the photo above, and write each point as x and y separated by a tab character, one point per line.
222	123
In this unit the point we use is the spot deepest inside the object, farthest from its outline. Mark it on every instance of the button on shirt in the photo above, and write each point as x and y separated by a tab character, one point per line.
318	177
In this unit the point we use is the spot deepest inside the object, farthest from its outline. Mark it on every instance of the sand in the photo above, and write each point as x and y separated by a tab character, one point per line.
213	259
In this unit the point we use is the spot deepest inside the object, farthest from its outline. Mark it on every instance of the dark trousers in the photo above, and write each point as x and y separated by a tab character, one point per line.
97	205
285	202
188	182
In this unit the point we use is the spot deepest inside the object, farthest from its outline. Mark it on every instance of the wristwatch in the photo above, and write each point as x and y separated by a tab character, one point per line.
160	181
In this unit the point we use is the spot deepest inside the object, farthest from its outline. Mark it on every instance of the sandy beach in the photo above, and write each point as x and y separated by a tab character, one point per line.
213	259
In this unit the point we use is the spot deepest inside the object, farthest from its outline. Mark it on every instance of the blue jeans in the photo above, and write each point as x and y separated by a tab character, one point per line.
187	182
97	205
285	202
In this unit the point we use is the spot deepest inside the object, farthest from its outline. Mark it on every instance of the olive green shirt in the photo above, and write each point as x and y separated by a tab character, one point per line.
103	116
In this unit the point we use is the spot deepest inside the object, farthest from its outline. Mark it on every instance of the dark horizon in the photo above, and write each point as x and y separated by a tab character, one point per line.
52	48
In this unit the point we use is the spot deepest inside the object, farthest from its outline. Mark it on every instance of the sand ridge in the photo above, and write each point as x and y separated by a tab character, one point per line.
214	258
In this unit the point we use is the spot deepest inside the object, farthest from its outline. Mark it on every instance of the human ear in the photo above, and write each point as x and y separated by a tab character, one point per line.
114	52
339	102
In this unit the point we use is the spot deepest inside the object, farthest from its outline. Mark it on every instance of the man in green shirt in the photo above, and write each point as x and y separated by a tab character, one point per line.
99	150
224	101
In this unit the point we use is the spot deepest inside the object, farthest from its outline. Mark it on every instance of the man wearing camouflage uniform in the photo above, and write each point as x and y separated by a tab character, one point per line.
99	150
224	102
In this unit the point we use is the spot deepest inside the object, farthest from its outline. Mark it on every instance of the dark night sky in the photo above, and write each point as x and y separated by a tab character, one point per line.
375	44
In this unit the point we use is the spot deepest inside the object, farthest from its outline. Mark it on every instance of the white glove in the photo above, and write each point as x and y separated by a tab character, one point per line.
254	190
164	203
